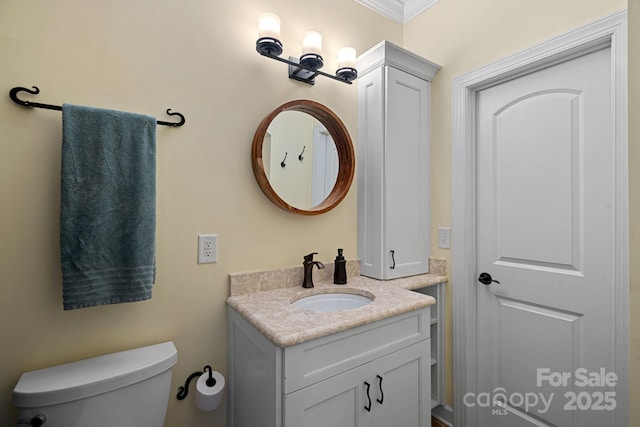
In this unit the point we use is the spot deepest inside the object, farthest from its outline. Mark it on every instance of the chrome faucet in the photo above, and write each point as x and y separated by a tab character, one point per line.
308	264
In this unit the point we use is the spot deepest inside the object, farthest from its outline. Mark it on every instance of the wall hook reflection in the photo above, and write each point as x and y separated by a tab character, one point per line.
300	156
282	163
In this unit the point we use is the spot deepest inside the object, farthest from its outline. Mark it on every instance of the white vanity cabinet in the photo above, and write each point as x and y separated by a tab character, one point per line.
375	375
393	162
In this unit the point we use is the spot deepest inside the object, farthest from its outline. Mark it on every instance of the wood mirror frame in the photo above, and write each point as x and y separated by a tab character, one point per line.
344	147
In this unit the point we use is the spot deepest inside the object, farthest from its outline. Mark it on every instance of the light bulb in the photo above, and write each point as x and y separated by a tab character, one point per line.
269	25
312	43
347	64
268	42
347	58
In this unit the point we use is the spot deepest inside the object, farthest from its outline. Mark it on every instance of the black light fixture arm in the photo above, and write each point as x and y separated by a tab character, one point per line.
299	71
13	94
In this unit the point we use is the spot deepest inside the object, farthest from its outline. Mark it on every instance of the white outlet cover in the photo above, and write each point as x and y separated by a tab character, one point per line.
207	248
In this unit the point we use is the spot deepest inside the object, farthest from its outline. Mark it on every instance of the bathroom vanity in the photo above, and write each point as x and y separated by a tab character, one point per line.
367	366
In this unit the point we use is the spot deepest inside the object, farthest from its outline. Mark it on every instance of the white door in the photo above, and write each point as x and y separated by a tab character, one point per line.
324	172
545	230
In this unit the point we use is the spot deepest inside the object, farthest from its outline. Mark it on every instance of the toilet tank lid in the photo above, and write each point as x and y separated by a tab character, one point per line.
85	378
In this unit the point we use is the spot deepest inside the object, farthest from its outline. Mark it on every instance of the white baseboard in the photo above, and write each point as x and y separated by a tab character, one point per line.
443	413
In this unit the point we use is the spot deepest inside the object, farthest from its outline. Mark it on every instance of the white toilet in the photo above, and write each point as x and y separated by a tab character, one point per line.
126	389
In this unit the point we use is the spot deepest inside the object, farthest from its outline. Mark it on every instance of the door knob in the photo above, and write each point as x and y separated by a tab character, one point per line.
485	278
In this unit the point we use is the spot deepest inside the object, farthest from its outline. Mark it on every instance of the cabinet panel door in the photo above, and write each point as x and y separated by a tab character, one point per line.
406	157
402	383
337	402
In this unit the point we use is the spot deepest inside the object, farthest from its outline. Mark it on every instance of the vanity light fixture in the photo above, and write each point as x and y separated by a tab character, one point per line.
307	67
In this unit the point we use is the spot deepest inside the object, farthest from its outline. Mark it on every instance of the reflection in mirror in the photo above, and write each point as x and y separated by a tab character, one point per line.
303	158
311	159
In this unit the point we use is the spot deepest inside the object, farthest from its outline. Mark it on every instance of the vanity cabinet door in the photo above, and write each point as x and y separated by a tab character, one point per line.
337	402
401	388
390	391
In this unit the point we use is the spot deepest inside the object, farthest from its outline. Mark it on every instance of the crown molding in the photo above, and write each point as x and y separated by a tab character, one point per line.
401	11
387	53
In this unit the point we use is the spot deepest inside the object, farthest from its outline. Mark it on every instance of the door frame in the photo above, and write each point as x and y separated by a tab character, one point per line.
609	31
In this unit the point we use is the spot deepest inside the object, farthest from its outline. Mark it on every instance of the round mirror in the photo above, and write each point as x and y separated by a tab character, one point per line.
303	158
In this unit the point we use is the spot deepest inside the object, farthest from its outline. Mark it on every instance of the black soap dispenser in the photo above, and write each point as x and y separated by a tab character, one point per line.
340	270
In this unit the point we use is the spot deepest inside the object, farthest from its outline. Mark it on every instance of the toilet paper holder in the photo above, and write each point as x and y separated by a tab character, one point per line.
184	391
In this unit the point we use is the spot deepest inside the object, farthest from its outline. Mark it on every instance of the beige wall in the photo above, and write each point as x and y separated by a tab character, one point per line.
198	58
463	35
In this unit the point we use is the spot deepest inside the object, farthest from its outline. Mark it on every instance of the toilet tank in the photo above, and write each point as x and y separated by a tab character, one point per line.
126	389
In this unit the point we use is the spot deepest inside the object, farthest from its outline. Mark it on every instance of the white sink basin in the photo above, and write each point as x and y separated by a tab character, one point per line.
332	301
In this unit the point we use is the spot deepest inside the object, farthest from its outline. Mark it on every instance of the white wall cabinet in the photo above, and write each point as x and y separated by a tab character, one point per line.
393	162
376	375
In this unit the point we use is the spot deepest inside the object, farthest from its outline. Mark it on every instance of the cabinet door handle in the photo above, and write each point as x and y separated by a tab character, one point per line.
368	407
393	258
381	392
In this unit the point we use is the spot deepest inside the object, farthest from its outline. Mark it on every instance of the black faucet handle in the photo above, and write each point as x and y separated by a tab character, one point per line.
309	258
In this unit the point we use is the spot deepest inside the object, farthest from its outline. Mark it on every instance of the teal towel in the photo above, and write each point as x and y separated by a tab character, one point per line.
107	211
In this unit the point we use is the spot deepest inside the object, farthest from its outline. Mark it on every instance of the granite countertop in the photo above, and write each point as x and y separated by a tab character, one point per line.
264	300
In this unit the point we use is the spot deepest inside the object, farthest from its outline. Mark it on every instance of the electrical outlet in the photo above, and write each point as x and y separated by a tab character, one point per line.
207	248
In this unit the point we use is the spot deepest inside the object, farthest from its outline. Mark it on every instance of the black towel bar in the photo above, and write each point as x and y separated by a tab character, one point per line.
13	94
